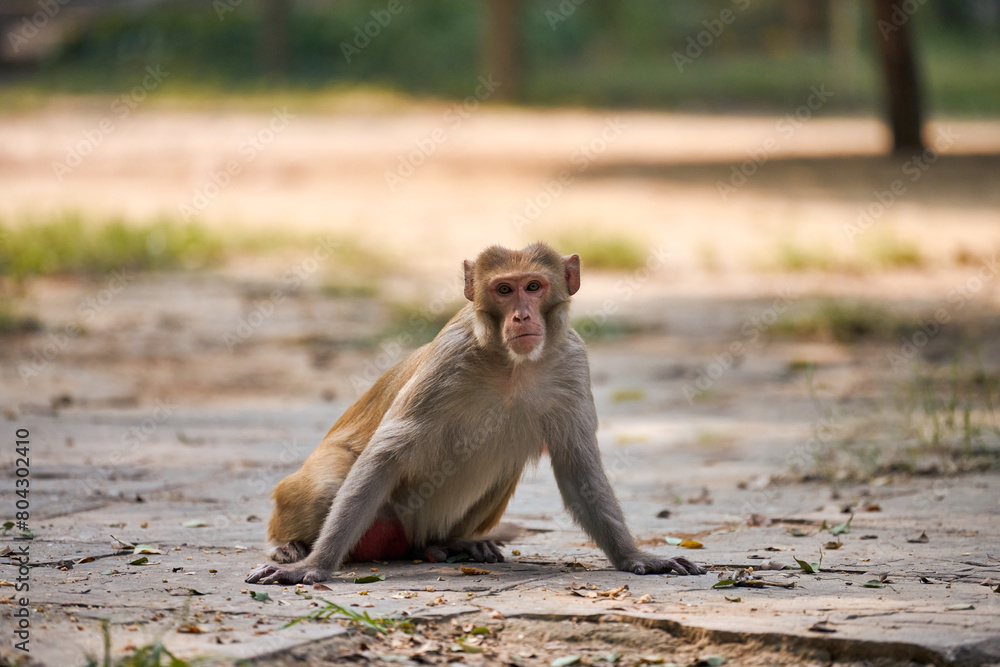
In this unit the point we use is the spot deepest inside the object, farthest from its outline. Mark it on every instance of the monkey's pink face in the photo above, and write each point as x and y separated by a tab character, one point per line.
519	297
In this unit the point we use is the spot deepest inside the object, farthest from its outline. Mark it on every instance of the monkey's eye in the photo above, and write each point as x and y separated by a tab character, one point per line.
534	286
504	289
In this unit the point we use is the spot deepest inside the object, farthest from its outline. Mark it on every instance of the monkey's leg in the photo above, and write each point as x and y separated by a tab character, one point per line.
481	551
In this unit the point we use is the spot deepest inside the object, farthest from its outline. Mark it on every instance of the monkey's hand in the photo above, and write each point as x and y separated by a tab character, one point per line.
481	551
645	563
295	573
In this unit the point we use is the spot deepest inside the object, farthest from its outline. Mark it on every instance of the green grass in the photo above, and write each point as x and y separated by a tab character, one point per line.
13	322
414	324
374	625
874	252
69	245
888	251
608	329
842	321
627	395
939	420
603	252
349	288
150	655
794	258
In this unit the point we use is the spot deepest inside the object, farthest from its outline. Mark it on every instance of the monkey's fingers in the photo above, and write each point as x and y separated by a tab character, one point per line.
484	551
293	575
683	566
262	571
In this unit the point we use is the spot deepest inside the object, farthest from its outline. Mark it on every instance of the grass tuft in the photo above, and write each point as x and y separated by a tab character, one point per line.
13	322
876	252
374	625
603	252
836	320
150	655
888	251
68	246
935	422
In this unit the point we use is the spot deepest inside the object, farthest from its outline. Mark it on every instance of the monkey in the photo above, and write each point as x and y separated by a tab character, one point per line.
426	461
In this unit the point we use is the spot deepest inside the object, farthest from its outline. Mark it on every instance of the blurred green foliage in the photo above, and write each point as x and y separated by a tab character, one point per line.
600	53
68	245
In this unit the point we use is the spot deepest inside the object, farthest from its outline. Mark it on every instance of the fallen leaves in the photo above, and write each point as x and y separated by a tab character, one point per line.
472	571
923	539
822	626
590	591
684	543
842	528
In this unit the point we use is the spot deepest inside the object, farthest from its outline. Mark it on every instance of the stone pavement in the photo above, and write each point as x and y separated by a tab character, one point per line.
141	475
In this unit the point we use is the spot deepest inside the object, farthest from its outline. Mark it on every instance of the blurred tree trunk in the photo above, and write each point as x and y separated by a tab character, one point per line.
502	46
274	20
902	86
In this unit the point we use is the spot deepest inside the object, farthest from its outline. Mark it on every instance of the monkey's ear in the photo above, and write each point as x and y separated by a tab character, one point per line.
571	265
470	282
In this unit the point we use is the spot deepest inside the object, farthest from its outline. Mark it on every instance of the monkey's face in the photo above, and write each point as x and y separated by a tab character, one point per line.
518	298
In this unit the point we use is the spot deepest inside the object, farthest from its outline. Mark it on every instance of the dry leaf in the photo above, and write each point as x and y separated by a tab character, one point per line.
923	539
822	626
474	570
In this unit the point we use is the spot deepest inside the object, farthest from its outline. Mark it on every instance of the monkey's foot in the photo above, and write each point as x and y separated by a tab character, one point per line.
481	551
300	574
644	563
289	552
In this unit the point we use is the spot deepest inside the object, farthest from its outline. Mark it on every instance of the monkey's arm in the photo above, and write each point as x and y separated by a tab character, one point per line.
364	492
590	499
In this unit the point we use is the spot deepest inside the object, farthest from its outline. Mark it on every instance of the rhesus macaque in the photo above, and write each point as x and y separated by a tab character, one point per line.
426	461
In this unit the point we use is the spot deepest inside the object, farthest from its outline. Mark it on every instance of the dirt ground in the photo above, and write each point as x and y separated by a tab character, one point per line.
686	425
